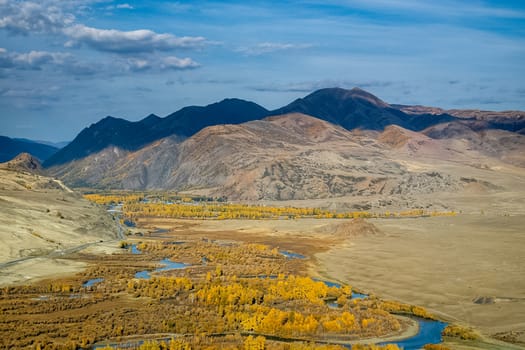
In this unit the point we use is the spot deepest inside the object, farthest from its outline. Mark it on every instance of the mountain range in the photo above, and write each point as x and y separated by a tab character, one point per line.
10	148
351	109
133	135
331	143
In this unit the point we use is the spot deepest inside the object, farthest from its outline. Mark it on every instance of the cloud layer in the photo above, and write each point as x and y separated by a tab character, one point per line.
48	18
24	17
134	41
269	47
31	60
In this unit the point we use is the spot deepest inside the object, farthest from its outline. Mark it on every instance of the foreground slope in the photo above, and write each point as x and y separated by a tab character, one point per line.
39	215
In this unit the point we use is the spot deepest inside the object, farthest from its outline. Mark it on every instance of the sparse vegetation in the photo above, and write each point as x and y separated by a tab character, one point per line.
186	208
435	347
460	332
235	342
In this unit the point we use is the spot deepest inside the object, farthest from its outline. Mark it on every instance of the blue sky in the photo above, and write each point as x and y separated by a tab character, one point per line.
65	64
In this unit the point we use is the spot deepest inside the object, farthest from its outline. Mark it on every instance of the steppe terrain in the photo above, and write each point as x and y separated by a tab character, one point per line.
468	269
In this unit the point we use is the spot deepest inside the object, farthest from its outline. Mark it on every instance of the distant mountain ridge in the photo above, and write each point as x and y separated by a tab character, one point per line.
350	109
357	108
128	135
10	148
58	145
513	121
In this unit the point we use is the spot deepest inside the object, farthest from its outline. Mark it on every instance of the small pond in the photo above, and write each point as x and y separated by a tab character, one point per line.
135	250
129	223
291	255
92	282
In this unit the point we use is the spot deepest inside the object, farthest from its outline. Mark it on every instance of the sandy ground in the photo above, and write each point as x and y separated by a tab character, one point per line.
304	236
34	269
37	269
443	264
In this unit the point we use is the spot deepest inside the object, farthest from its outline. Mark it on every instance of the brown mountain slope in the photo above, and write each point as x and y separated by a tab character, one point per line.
23	162
509	147
478	120
294	157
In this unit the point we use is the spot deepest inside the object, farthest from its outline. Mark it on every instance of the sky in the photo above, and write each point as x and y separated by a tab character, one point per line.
65	64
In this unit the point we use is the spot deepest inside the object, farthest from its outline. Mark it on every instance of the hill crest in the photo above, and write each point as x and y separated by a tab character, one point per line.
24	162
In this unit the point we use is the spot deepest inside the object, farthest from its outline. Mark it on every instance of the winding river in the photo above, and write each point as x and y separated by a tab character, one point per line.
429	331
167	265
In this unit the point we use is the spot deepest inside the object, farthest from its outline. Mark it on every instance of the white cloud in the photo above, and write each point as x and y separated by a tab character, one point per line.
172	62
125	6
158	64
25	17
134	41
48	61
33	59
136	64
65	62
268	47
39	58
136	50
56	17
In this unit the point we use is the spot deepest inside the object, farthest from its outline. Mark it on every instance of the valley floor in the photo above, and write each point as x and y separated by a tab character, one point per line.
466	269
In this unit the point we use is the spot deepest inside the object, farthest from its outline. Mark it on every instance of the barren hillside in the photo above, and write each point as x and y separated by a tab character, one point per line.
40	215
298	157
